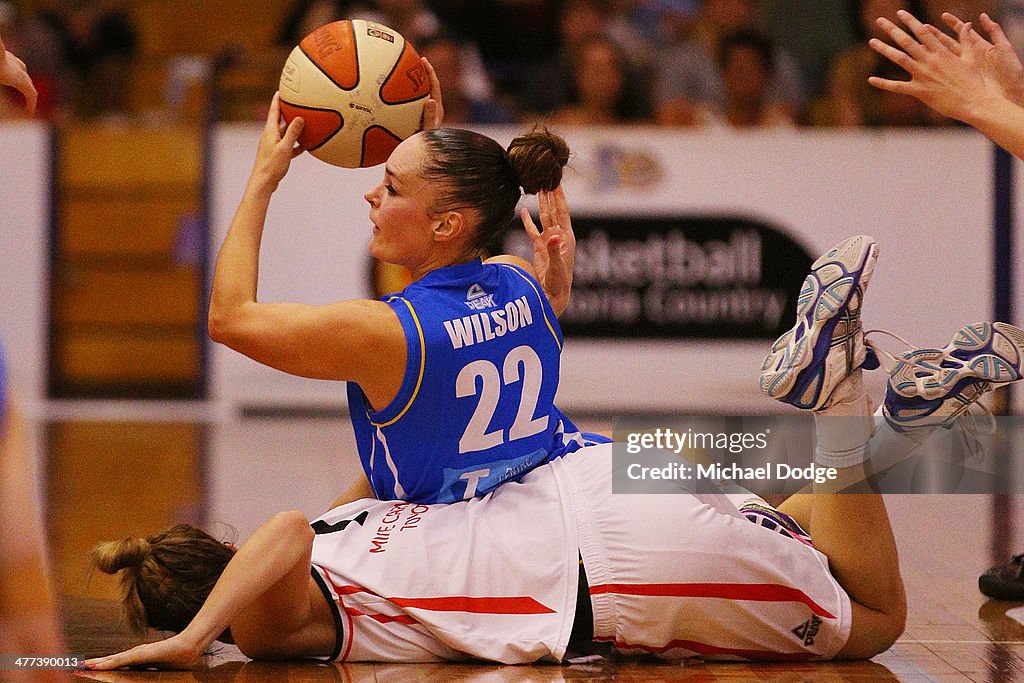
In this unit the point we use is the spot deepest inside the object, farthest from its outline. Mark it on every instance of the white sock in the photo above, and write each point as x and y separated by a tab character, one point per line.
845	425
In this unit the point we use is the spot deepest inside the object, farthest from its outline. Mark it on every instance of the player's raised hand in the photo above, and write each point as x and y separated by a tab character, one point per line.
278	146
554	249
951	83
996	55
14	74
433	110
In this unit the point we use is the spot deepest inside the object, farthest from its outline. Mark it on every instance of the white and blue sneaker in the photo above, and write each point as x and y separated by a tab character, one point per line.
931	387
827	344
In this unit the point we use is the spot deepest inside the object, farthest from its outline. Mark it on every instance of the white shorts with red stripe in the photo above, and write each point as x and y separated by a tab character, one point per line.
687	575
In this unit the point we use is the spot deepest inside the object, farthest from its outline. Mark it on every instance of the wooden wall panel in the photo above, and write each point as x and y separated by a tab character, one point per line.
111	480
125	297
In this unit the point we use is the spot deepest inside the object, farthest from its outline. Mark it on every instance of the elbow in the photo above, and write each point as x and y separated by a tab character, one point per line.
215	327
293	524
223	326
217	322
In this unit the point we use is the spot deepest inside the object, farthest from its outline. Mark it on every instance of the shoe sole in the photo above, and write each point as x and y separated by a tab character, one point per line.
827	289
990	354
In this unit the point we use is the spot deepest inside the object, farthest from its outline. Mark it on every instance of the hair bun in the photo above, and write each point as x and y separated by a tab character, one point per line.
113	556
538	158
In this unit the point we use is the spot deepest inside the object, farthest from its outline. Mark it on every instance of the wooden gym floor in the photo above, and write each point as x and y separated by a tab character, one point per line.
945	541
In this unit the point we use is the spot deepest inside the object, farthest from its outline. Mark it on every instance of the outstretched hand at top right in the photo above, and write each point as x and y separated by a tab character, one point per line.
949	76
996	56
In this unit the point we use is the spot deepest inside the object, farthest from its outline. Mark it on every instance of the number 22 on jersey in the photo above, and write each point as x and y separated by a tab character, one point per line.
521	366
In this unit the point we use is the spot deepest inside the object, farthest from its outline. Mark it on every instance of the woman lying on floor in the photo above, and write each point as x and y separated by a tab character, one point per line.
674	575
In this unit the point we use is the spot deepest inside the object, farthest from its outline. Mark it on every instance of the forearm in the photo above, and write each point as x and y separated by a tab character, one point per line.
1003	122
236	275
274	550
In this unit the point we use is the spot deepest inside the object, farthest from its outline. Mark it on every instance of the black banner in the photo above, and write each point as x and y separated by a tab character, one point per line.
699	276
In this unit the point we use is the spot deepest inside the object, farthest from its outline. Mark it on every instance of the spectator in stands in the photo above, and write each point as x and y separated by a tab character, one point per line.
514	37
813	32
850	101
98	43
689	78
602	87
747	61
549	85
412	18
629	27
464	100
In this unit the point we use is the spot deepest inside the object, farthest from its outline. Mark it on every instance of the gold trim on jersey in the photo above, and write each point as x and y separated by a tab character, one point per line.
423	363
543	311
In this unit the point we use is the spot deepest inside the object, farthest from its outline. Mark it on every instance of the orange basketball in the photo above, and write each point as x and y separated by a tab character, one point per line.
360	88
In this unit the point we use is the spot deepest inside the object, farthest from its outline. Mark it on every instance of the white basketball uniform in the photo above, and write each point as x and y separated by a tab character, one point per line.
496	577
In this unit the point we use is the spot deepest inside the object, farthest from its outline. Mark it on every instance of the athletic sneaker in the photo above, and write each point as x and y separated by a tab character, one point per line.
807	363
1005	581
779	522
930	387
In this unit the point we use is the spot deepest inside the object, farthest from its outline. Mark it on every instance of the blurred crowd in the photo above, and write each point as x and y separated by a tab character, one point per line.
694	63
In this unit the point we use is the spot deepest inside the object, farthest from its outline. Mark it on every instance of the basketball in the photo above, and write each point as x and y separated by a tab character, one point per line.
360	88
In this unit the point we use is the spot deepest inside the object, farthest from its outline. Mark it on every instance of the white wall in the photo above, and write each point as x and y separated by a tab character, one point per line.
24	238
24	267
925	195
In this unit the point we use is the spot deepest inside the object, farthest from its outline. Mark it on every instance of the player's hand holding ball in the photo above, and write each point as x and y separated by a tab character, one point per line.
433	110
278	146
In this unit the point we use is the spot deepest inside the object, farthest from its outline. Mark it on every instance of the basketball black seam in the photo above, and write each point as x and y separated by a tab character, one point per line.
333	111
355	48
362	147
380	93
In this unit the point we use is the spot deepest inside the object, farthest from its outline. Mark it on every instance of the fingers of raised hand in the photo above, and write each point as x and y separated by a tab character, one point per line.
529	225
902	87
291	135
892	54
435	82
926	37
22	82
995	31
274	115
947	41
973	45
433	114
560	207
547	215
437	108
31	97
901	38
953	21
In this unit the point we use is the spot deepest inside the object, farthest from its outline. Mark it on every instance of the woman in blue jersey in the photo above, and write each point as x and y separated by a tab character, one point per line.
452	381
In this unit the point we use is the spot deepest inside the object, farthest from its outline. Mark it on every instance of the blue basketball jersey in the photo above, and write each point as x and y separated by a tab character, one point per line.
476	405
